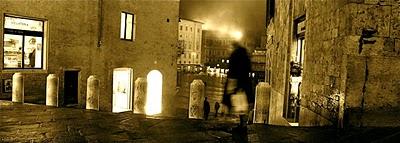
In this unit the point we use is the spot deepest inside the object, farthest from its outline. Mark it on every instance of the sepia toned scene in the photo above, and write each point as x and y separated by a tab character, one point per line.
199	71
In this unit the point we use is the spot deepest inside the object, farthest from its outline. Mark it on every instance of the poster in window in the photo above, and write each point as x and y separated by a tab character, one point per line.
12	51
7	85
32	52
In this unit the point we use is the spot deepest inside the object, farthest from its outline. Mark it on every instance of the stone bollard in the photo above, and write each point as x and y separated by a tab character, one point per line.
93	90
196	99
262	103
52	90
18	88
139	100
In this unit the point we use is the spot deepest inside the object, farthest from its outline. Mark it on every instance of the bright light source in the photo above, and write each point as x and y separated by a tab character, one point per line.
122	90
154	93
237	35
223	29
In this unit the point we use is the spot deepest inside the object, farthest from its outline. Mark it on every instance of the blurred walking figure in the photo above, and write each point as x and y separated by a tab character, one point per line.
216	107
238	88
206	108
238	81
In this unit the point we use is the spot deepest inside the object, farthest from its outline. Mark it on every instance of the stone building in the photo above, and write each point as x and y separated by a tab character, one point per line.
217	48
190	34
323	51
116	40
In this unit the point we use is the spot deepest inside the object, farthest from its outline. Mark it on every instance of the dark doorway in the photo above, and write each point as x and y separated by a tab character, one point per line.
71	88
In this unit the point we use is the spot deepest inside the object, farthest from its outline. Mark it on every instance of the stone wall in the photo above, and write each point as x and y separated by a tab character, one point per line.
70	36
322	66
153	49
279	30
73	34
372	83
336	63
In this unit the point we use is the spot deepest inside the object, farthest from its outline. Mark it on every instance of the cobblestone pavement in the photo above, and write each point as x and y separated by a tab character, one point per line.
38	123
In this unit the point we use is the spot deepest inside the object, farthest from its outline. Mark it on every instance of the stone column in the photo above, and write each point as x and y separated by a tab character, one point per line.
139	100
196	99
52	90
18	88
261	107
93	90
341	111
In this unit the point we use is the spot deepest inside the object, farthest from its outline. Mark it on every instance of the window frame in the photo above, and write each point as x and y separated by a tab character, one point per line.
133	36
25	33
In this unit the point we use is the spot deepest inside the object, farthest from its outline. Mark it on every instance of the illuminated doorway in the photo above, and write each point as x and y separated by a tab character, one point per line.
122	90
154	93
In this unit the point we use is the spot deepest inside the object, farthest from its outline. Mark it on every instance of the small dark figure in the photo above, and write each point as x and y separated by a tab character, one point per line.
206	109
216	109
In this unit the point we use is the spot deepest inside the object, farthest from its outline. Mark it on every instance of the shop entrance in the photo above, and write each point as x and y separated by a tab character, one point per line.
71	88
122	90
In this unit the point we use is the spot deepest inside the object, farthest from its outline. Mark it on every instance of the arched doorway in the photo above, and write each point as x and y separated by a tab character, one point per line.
154	93
122	90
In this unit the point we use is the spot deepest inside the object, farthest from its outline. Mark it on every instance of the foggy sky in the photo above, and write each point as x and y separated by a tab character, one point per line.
247	16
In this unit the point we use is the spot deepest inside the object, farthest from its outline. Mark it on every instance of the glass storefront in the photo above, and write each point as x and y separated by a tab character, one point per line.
23	43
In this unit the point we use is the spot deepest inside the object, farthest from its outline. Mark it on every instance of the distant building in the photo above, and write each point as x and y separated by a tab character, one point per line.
217	49
190	39
118	41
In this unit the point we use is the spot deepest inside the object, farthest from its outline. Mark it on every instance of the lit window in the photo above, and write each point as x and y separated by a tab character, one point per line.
127	26
23	43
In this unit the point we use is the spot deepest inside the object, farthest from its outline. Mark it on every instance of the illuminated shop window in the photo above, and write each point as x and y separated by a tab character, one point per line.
122	89
23	43
128	22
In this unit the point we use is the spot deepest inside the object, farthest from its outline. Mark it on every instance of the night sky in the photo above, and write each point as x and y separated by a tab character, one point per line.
247	16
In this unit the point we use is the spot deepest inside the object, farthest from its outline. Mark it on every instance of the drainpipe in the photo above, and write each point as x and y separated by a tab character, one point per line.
366	38
100	15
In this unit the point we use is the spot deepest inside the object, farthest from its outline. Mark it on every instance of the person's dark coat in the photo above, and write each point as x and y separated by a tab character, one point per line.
206	109
239	69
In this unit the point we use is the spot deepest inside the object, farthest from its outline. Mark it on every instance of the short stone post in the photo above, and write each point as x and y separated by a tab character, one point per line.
139	100
92	98
18	88
196	99
341	111
261	107
52	90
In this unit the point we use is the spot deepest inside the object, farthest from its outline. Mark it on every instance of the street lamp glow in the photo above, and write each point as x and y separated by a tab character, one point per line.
154	93
237	35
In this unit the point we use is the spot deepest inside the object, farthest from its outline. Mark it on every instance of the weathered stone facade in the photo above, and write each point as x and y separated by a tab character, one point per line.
84	36
343	56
